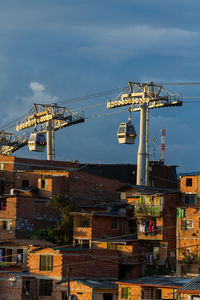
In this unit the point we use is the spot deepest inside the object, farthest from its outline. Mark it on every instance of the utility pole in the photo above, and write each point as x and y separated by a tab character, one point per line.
142	97
154	148
68	282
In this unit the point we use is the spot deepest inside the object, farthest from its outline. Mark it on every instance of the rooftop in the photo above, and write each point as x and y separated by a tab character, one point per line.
92	283
159	281
192	285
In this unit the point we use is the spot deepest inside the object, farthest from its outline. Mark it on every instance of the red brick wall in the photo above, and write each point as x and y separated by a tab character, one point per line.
101	226
86	188
83	264
194	188
34	263
189	237
8	215
7	291
92	264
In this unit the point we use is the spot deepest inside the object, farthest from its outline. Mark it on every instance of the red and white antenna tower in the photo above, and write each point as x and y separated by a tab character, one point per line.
163	140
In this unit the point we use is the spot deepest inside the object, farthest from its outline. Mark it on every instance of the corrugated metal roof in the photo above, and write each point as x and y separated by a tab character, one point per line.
98	214
129	238
100	284
159	281
192	285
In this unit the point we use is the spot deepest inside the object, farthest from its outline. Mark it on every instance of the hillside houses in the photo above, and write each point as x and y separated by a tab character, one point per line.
129	242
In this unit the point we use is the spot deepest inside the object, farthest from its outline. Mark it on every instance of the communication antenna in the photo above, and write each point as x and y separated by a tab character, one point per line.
163	141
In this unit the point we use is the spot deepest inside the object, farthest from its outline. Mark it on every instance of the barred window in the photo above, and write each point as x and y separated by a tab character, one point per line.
186	224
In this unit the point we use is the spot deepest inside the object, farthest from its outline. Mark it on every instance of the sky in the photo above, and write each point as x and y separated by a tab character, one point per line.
53	51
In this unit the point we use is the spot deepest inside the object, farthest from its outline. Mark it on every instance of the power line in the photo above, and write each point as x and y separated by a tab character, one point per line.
179	83
90	96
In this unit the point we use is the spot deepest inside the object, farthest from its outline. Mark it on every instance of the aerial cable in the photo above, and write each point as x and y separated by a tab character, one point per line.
179	83
77	99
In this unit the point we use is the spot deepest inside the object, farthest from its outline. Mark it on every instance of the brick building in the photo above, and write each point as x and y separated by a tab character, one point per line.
24	195
155	217
188	234
14	252
89	227
190	290
154	287
50	268
188	226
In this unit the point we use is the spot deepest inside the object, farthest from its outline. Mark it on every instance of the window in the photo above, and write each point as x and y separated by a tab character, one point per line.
85	244
114	223
19	255
26	287
185	269
147	293
24	183
6	225
9	255
125	293
123	195
107	296
158	294
45	287
5	255
64	295
132	226
188	181
186	224
2	204
44	184
46	262
190	199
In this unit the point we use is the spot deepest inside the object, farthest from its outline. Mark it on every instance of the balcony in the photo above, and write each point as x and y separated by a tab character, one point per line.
143	210
82	233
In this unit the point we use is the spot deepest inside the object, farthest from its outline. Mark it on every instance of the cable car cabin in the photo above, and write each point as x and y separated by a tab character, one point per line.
126	133
37	142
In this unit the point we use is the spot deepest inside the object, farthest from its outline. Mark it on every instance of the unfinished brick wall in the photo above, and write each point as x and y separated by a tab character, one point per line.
188	240
34	263
83	264
92	264
7	291
190	184
101	226
86	188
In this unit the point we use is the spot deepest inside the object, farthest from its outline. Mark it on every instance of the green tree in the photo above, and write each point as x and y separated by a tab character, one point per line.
62	232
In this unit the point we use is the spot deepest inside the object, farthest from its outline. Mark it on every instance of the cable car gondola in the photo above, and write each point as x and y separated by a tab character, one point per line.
37	142
126	133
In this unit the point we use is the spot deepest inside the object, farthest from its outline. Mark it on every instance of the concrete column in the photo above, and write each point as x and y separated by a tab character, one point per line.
50	155
141	156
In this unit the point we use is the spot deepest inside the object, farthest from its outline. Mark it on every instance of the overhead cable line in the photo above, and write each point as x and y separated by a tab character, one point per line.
91	96
179	83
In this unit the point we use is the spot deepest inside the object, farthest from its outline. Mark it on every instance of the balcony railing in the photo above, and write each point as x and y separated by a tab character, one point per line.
147	210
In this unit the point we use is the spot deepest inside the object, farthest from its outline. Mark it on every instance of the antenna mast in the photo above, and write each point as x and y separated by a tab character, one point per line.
163	141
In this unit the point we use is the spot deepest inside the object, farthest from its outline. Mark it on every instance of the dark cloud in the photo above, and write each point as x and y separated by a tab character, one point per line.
71	49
